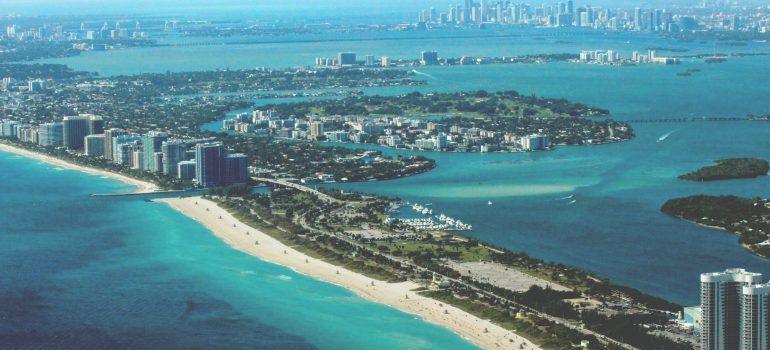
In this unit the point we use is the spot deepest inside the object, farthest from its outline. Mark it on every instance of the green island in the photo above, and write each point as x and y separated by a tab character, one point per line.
748	218
469	104
731	168
477	121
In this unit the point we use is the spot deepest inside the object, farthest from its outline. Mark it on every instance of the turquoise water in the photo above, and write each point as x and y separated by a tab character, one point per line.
83	272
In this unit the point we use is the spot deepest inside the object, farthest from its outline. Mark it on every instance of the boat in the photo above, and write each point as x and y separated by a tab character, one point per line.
489	203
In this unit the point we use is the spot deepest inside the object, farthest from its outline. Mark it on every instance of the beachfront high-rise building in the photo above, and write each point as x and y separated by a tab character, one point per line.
95	125
186	170
75	129
157	161
235	169
151	143
123	147
208	164
9	128
755	318
27	133
137	159
174	151
51	134
94	145
721	297
108	139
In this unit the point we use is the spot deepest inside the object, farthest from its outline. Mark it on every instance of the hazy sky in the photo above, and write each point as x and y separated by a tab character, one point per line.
282	7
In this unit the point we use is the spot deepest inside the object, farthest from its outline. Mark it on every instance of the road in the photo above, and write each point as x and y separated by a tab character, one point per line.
322	196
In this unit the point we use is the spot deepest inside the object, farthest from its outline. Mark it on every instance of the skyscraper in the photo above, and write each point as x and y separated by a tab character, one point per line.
108	135
137	159
208	164
123	147
157	162
638	19
428	57
316	129
51	135
755	328
516	14
174	151
94	145
95	125
151	143
346	58
74	132
186	170
721	296
236	169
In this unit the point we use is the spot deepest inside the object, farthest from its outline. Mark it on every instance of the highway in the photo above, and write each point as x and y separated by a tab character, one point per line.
322	196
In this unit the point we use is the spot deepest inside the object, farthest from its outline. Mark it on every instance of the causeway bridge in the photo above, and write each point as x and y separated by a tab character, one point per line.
278	182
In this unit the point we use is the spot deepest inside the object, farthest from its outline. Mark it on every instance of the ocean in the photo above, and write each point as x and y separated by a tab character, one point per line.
97	273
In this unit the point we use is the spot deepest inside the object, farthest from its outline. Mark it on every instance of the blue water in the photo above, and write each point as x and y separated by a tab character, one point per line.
84	272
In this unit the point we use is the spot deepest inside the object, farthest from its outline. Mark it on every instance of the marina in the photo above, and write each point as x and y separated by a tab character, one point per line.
429	222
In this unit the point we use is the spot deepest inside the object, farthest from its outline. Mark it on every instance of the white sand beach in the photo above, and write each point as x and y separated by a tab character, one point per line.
397	295
141	186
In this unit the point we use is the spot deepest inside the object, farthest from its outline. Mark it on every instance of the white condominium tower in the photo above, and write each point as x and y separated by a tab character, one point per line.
754	317
721	298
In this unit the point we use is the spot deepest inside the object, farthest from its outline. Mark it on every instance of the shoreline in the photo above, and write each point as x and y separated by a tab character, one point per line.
482	333
139	186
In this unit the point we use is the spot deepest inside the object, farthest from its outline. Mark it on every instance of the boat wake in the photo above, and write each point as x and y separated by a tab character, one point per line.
283	277
572	202
567	197
423	74
666	135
